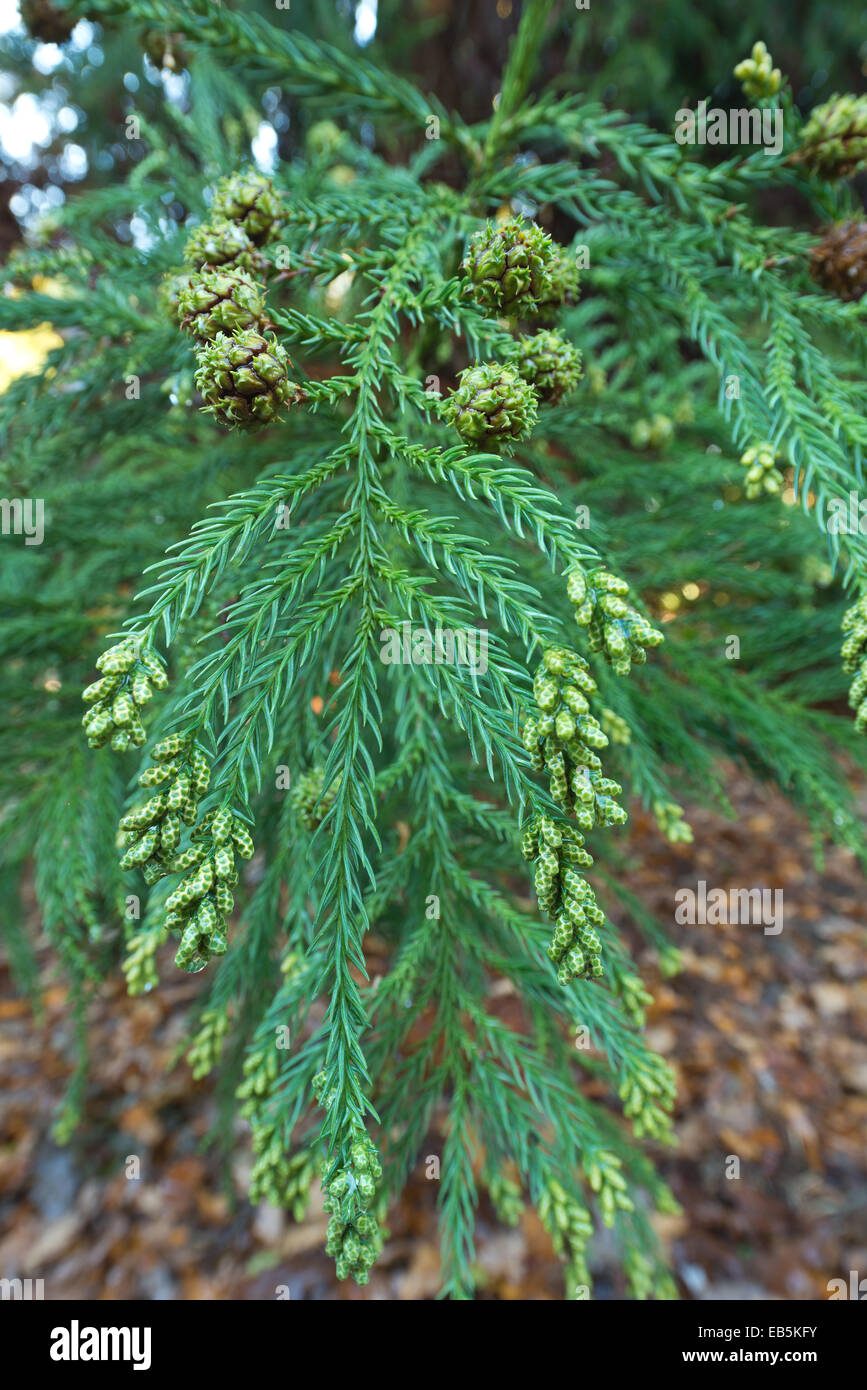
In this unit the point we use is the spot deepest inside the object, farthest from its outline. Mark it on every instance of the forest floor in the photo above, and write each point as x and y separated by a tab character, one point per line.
767	1033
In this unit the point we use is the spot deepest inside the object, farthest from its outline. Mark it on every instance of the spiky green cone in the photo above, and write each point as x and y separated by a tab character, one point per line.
565	280
250	200
219	243
243	379
492	405
47	22
169	292
219	301
834	140
549	364
512	267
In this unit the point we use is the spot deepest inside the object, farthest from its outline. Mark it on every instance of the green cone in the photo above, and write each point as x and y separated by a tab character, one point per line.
565	279
834	140
513	267
549	364
169	291
219	301
244	379
491	406
217	243
248	199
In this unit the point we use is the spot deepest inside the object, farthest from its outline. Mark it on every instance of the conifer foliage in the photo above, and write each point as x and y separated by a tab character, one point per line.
372	486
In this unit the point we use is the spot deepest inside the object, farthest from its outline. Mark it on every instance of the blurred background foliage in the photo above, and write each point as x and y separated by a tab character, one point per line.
62	110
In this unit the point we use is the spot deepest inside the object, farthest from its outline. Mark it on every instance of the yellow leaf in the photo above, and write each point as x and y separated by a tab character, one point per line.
25	352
